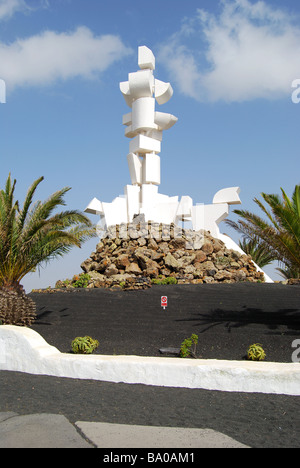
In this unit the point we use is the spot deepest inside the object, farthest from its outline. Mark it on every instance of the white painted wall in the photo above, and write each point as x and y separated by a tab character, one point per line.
24	350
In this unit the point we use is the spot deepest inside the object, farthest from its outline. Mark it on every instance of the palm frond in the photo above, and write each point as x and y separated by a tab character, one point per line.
279	232
261	254
35	235
28	201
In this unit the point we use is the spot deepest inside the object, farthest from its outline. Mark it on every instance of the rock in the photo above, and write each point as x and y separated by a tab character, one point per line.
133	268
235	255
139	252
190	270
121	277
112	247
208	279
100	284
218	245
211	272
99	247
170	261
222	262
96	276
142	259
207	247
122	261
223	275
179	253
152	269
103	265
178	244
152	244
165	272
198	244
111	270
197	281
86	265
164	247
199	273
133	233
208	265
116	287
200	257
293	281
142	241
186	260
240	275
209	268
157	256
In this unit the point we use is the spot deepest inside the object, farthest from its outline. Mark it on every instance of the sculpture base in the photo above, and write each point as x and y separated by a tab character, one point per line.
166	254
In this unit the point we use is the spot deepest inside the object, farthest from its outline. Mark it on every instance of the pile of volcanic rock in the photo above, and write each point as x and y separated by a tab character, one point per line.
130	256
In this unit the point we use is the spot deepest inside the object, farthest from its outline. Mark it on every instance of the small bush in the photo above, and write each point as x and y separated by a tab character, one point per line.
81	281
256	353
163	281
188	347
84	345
63	284
78	281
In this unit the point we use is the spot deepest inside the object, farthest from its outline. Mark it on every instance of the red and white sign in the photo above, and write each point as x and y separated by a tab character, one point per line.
164	301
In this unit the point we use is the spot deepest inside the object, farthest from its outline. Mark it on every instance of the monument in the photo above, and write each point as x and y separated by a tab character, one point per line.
144	127
142	200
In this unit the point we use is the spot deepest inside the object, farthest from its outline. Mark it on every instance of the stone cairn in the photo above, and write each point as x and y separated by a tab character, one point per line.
130	256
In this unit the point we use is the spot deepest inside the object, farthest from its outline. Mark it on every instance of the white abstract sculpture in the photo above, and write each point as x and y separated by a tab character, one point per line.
145	126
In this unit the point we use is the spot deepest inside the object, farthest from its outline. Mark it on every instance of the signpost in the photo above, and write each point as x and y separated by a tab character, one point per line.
164	301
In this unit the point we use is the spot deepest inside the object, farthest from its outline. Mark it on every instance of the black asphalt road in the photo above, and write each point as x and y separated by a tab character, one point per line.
227	318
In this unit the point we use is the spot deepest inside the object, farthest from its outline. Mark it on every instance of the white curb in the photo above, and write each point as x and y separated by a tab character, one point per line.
24	350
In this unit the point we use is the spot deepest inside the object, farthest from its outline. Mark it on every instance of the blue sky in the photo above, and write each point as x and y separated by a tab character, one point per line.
231	64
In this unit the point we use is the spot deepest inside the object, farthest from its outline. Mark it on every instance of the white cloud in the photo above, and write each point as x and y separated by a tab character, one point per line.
9	7
51	56
250	50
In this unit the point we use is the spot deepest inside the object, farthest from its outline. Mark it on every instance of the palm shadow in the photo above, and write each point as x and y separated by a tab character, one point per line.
273	321
43	314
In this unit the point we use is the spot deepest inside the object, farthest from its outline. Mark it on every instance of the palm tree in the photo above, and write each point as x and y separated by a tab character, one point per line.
29	237
279	233
259	254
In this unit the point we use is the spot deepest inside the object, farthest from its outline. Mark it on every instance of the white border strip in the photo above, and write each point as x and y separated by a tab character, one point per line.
24	350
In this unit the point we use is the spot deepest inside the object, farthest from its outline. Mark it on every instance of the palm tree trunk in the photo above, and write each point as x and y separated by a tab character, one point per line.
16	308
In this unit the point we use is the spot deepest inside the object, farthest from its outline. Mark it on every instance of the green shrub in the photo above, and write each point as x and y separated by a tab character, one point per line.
84	345
78	281
81	281
256	353
163	281
63	284
188	347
